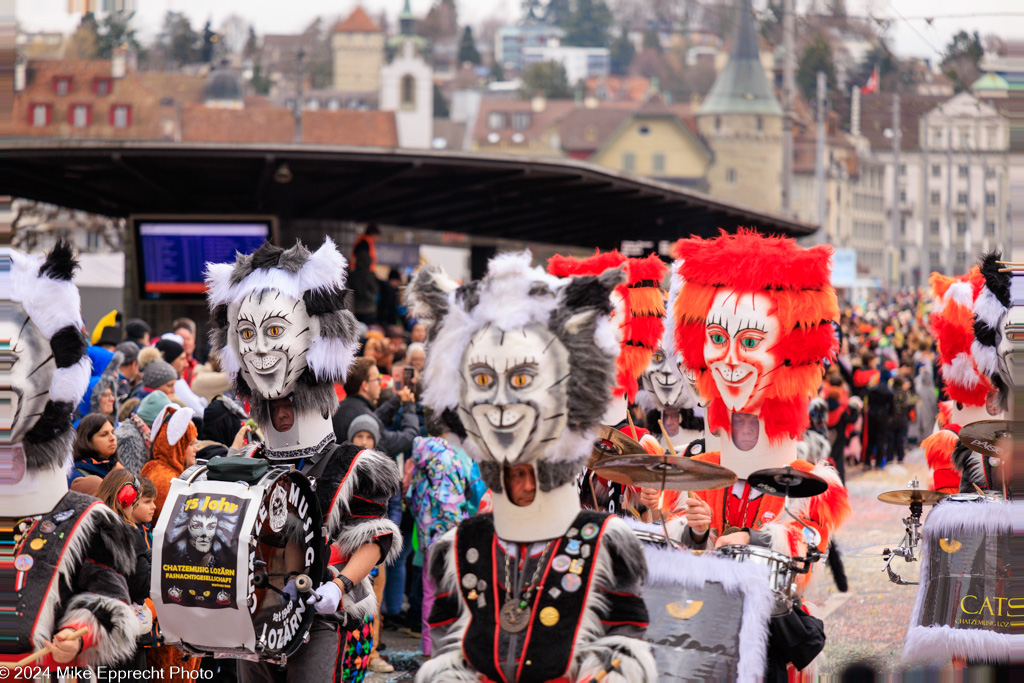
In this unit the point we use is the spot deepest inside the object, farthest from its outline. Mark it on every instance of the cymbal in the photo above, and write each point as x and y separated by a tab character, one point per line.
610	442
677	474
984	436
908	496
774	481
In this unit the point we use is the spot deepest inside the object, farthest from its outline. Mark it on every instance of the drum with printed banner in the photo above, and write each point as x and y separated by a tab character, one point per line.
226	557
969	606
708	616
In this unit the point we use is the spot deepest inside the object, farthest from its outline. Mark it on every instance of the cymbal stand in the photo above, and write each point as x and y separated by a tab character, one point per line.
911	539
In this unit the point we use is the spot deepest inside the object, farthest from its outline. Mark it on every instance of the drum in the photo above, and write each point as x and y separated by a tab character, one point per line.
968	604
226	556
781	575
708	616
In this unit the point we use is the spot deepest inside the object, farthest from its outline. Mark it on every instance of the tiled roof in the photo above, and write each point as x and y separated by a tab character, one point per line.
358	22
629	88
553	111
587	129
209	124
348	127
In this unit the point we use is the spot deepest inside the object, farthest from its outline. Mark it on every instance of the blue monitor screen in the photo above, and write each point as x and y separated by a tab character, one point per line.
173	255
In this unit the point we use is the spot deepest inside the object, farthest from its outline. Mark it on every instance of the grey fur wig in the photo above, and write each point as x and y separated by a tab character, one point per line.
318	280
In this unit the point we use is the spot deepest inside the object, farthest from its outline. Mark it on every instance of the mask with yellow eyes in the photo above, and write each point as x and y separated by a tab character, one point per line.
515	391
273	333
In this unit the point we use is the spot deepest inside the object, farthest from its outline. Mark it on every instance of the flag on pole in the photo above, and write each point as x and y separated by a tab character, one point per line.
872	84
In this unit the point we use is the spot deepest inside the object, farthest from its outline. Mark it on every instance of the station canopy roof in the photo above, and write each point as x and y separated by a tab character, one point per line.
557	201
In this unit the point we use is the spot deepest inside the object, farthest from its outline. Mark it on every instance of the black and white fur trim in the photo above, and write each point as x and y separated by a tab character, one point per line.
511	296
44	289
447	662
619	561
97	522
949	519
374	476
114	622
317	279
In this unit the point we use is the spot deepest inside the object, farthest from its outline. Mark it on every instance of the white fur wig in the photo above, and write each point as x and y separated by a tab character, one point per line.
512	296
316	279
44	291
990	310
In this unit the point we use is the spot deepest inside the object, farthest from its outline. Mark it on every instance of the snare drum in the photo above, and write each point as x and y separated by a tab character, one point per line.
226	556
780	571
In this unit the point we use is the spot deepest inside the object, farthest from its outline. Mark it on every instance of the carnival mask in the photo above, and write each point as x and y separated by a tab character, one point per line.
740	335
662	380
273	333
202	529
515	391
25	384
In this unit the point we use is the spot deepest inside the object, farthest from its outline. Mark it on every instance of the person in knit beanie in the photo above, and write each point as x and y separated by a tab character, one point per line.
158	376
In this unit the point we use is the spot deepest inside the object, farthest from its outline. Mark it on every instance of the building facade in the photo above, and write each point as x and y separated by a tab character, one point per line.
511	41
580	63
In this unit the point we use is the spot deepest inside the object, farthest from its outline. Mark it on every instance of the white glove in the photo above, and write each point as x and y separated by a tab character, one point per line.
330	598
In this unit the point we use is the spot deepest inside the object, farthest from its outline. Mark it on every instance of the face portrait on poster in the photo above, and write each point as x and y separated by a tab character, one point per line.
200	553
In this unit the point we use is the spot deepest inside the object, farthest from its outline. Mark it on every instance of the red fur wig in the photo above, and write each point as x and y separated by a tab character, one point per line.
797	281
952	324
644	307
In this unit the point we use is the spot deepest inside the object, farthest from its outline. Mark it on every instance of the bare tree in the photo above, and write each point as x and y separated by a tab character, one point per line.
235	32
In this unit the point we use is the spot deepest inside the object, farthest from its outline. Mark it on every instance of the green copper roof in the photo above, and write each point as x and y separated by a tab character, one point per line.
406	11
990	81
742	87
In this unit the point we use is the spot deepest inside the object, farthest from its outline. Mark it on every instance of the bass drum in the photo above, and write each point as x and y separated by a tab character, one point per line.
226	556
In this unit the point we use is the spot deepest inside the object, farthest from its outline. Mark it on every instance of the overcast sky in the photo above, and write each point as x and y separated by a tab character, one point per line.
913	36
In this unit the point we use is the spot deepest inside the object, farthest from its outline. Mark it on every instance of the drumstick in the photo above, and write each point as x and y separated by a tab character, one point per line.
978	489
601	676
668	441
631	425
39	654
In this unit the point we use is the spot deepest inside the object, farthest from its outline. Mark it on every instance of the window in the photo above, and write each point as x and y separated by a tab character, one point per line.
718	123
961	227
644	130
936	171
990	199
730	176
408	92
521	120
936	198
333	104
62	84
990	173
121	115
962	171
933	227
903	169
169	102
993	137
628	161
936	136
80	115
990	228
903	196
40	115
658	163
903	225
933	257
760	124
961	198
102	86
496	120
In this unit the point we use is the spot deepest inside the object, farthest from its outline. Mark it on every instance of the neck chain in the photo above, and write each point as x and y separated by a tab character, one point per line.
511	614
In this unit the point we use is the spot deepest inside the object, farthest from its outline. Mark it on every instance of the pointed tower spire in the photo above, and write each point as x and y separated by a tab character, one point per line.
742	87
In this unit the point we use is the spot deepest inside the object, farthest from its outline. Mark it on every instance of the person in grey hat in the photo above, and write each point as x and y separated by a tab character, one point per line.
364	431
158	375
129	374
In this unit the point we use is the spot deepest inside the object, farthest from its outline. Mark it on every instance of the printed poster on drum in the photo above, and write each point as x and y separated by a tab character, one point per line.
200	551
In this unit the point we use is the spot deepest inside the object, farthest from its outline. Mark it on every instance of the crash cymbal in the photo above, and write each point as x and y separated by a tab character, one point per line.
908	496
984	437
774	481
610	443
677	474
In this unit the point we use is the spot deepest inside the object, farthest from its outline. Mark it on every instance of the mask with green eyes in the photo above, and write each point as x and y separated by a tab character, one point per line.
273	333
741	333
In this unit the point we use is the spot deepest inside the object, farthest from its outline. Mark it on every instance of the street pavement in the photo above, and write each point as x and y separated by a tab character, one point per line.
867	624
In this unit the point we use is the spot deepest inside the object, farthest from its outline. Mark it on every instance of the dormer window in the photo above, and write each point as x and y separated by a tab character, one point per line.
496	120
102	86
521	120
62	84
